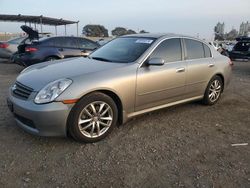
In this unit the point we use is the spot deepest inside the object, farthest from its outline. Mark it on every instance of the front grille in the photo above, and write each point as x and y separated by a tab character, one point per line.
21	91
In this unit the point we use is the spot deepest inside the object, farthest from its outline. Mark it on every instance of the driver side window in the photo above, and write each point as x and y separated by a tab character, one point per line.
169	50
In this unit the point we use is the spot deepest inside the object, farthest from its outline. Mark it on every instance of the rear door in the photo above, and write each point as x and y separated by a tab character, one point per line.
200	67
67	46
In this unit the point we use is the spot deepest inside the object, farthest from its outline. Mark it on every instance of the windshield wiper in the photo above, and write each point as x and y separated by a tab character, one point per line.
101	59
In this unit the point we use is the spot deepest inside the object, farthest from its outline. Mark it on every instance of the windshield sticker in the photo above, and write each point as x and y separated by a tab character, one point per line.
144	41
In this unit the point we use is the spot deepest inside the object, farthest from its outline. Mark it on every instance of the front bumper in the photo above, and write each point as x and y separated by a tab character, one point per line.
42	120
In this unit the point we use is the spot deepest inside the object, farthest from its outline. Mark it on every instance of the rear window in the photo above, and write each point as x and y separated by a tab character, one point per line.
194	49
242	46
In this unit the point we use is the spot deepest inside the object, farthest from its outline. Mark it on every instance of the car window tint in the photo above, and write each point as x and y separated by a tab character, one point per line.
194	49
58	42
86	44
70	42
48	42
242	46
207	51
169	50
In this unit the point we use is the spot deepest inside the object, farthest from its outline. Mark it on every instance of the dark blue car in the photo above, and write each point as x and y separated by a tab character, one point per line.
241	50
51	48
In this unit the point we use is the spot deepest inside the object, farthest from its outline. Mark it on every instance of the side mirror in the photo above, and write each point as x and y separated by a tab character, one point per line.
156	61
85	53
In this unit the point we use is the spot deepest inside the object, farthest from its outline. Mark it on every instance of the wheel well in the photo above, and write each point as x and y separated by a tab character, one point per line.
222	78
117	102
53	56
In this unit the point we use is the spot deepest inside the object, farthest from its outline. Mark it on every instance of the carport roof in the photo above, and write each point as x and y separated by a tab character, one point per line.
35	19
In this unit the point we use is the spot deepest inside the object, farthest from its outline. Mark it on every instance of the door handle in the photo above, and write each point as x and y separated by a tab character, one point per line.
182	69
211	65
60	49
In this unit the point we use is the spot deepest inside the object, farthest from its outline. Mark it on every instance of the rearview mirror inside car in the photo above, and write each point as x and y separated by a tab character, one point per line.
156	61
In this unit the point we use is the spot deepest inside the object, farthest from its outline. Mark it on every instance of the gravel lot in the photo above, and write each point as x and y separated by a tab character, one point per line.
184	146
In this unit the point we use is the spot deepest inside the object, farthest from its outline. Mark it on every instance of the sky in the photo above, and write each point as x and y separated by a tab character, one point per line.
189	17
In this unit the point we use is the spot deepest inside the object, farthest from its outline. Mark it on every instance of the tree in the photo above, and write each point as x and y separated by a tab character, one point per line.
231	35
95	31
143	31
119	31
219	37
130	31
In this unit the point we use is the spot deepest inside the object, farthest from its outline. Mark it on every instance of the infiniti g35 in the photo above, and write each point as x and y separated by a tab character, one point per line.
131	75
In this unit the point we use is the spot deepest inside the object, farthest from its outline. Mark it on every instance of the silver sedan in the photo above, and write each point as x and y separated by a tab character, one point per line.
131	75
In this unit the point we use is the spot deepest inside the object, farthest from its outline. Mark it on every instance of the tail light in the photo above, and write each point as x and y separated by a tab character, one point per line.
4	45
230	62
30	49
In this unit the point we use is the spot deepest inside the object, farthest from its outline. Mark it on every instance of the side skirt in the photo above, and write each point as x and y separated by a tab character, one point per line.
133	114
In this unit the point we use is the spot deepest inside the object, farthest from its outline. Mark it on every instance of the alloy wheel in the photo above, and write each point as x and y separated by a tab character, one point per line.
214	90
95	119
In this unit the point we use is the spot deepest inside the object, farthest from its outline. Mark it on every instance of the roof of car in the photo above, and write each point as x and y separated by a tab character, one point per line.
156	35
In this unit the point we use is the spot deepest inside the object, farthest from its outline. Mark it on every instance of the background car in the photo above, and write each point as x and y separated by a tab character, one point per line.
129	76
241	50
214	44
53	48
8	48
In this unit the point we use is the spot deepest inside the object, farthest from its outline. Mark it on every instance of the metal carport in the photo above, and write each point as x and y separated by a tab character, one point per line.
38	20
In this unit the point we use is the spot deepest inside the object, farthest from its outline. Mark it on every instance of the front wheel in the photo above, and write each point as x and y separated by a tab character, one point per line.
213	91
92	118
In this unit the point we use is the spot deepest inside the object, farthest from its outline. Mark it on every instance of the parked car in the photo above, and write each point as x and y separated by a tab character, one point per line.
214	44
101	42
52	48
241	50
8	48
130	75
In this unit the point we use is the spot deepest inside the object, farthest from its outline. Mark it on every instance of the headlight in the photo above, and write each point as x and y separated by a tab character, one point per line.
51	91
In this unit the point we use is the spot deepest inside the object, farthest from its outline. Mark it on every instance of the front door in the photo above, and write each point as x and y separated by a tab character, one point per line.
157	85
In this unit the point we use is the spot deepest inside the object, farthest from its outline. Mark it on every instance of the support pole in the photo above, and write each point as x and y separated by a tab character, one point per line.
77	28
65	30
56	30
41	24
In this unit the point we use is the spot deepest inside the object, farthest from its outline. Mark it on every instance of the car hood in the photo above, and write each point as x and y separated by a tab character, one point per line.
37	76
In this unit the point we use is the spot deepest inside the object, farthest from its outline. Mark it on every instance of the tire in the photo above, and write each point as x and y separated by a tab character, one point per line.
51	58
88	114
213	91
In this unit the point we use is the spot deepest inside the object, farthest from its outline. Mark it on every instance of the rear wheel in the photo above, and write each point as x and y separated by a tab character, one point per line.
213	91
93	118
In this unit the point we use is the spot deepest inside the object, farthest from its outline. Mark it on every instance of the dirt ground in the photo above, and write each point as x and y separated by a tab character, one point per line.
184	146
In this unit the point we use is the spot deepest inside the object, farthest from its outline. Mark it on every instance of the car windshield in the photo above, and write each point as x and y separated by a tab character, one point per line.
123	50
